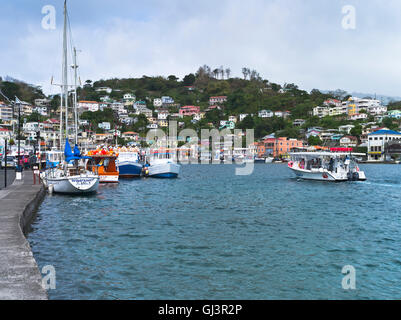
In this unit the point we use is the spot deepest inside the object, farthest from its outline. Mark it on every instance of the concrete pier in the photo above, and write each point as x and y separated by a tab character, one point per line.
20	278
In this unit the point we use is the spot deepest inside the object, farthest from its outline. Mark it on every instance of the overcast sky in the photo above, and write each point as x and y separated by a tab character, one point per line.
299	41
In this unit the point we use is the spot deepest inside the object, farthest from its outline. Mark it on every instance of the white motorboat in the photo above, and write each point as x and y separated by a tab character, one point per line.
162	165
326	166
164	168
269	160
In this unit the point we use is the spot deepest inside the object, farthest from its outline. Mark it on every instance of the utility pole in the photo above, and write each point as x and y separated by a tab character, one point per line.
5	162
19	168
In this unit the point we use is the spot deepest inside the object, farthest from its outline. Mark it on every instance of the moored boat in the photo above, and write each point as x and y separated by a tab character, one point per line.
162	165
104	164
326	166
129	164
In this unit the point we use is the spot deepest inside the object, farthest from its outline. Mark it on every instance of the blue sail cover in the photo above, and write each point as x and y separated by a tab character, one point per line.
77	153
69	156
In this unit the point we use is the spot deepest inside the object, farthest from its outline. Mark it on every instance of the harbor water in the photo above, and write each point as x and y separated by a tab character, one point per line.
213	235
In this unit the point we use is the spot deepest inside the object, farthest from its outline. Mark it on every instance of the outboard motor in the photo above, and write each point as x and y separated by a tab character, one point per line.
355	176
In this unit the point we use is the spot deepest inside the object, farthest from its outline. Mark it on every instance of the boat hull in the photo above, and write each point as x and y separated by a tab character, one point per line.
166	171
130	170
326	176
111	178
74	185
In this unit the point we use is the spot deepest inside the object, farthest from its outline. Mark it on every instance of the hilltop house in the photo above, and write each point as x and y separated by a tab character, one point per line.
189	110
217	100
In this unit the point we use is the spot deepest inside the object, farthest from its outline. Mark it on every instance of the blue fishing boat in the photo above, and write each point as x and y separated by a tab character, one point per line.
129	164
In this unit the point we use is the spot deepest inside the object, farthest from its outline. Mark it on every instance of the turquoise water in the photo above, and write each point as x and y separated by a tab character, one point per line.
213	235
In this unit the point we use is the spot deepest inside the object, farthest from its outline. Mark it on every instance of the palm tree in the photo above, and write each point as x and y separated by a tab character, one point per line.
216	73
228	72
245	72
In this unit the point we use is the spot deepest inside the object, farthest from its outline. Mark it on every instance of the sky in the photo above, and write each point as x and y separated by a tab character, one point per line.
286	41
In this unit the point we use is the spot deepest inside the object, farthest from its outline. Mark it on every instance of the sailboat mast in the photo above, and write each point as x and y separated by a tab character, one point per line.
65	70
75	66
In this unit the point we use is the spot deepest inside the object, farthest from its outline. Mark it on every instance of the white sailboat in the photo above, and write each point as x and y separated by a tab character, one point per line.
69	176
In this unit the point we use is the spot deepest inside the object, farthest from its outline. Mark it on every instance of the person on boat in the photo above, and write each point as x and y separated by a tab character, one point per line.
331	165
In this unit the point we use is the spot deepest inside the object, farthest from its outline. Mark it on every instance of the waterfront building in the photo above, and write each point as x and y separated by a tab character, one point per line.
378	141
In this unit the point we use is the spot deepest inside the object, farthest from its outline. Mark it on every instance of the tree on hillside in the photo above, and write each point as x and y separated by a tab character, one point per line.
245	72
228	72
314	141
189	80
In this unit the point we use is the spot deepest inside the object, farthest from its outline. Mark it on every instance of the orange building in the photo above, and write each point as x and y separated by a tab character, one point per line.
278	146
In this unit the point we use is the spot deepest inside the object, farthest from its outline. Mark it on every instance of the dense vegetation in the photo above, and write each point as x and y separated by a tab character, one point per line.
22	90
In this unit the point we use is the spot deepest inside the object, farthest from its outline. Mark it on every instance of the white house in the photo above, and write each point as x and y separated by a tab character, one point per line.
104	89
321	112
104	125
129	97
242	116
232	118
346	129
358	116
377	143
30	126
157	102
162	115
6	113
348	141
265	114
92	106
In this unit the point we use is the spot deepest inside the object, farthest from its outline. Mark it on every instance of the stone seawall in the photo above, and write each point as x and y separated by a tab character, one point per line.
20	278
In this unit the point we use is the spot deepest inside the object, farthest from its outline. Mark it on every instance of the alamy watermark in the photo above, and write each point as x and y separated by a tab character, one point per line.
349	20
49	20
49	277
213	146
349	280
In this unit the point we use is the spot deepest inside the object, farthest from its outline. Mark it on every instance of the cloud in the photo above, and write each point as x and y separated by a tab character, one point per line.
286	41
